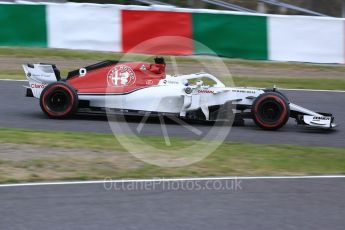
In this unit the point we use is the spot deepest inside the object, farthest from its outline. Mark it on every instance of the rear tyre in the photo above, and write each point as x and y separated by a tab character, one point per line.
270	111
59	100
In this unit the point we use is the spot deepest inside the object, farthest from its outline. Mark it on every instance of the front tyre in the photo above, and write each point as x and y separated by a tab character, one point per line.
270	111
59	100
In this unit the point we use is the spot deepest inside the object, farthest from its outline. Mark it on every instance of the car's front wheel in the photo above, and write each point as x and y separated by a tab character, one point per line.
270	111
59	100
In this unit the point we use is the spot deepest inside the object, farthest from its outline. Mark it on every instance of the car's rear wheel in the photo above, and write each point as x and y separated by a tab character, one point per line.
59	100
270	111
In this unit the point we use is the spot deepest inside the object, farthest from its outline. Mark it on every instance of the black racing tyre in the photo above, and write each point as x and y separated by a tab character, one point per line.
274	90
270	111
59	100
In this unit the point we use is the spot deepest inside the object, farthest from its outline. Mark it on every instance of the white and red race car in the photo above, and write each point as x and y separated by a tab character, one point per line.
141	87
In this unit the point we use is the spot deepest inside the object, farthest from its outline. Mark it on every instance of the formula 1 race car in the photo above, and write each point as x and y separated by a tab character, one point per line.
141	87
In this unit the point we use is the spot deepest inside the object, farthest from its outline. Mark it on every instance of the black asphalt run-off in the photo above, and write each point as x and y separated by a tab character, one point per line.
316	204
17	111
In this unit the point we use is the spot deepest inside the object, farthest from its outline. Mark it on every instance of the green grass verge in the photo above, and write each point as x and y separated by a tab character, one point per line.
58	53
228	159
12	74
289	82
95	55
302	82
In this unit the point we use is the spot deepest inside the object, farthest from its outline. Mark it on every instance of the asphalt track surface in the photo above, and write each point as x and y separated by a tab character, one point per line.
316	204
17	111
255	204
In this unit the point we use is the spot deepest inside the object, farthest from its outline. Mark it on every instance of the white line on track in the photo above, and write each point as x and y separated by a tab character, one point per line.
108	180
12	80
307	90
314	90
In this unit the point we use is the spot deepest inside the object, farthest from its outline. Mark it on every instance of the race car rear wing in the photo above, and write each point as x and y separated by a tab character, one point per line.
39	76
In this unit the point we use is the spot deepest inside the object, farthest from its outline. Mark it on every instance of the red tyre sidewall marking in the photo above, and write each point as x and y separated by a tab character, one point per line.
278	99
51	113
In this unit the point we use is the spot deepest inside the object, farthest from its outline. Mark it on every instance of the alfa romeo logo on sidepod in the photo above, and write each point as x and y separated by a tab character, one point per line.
121	75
